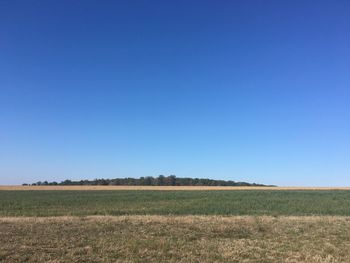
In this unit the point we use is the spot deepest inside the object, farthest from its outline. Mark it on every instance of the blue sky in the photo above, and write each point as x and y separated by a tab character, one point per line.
255	91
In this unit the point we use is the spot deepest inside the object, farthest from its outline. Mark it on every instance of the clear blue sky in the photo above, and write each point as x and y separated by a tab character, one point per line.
255	91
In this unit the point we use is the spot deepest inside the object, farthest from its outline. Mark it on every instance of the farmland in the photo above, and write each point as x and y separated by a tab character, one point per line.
175	239
124	202
249	225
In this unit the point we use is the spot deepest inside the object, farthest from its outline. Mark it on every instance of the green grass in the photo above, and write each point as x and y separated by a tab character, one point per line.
133	238
250	202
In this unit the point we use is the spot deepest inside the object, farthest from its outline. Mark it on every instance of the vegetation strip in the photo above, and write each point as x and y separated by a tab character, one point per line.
252	202
157	188
161	180
171	218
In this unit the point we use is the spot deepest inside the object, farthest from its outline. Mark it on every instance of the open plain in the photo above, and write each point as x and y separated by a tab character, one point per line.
249	225
158	188
175	239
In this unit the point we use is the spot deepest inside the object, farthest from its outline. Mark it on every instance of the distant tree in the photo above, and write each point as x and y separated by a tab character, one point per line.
103	182
172	180
149	180
67	182
161	180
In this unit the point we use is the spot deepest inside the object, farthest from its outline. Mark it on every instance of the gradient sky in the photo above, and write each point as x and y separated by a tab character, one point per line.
255	91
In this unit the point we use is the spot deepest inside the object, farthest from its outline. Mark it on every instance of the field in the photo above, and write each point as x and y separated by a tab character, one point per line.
289	225
157	188
124	202
175	239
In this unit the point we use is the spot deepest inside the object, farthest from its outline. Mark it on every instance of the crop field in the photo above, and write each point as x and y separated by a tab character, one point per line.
175	226
252	202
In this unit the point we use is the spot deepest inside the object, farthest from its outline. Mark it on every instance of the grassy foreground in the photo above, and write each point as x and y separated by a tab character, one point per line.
175	226
252	202
175	239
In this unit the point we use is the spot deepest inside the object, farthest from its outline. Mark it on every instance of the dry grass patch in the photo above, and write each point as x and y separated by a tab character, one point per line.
175	239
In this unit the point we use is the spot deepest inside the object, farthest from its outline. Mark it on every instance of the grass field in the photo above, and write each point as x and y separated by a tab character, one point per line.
156	188
175	239
252	202
175	226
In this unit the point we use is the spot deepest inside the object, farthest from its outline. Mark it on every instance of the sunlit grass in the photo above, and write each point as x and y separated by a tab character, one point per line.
175	239
80	203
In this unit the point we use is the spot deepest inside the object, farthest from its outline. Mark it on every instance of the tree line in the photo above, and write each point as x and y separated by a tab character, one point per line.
161	180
